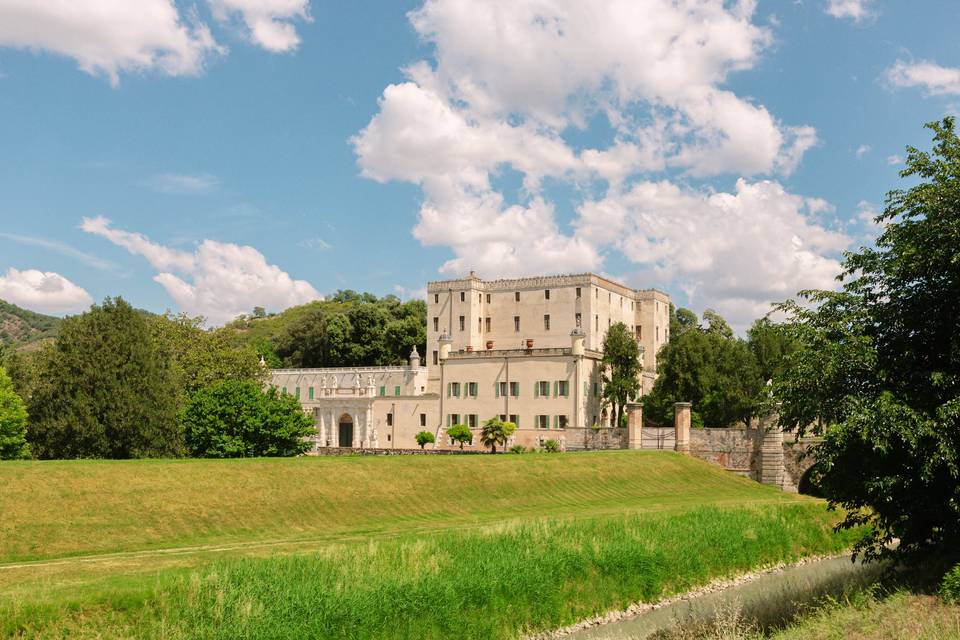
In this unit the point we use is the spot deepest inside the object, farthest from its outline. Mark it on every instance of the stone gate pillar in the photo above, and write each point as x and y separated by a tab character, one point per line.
634	425
771	452
681	425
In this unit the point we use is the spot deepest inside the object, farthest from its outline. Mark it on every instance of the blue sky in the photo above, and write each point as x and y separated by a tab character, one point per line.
218	155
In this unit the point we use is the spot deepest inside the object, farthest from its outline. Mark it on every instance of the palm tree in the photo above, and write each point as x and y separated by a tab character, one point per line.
495	432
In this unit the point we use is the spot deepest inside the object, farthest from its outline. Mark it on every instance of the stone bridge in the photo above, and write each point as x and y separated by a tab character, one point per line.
762	452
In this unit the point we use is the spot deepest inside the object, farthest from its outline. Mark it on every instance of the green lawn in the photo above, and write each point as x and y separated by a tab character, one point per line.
444	546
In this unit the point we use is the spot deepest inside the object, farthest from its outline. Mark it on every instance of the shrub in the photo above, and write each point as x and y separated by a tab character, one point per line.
517	448
551	446
424	438
950	587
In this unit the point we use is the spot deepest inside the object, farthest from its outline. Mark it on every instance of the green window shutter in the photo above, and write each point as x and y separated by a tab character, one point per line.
536	389
396	391
555	421
556	388
296	392
496	389
310	393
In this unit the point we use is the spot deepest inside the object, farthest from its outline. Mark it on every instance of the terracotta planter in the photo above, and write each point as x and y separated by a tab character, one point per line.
469	348
529	343
489	344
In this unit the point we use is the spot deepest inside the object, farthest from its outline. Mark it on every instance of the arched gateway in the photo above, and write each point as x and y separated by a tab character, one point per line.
345	425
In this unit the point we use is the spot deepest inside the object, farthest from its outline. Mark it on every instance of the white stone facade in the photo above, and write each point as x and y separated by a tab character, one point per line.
525	349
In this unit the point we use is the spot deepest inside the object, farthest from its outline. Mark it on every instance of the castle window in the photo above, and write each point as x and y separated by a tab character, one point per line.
562	422
516	296
578	292
436	298
436	324
480	325
515	419
488	298
546	294
462	323
471	389
472	421
310	393
436	357
488	324
389	419
546	322
542	388
516	324
452	419
423	419
515	390
453	389
383	391
463	296
296	392
501	389
479	297
396	391
542	422
563	388
596	321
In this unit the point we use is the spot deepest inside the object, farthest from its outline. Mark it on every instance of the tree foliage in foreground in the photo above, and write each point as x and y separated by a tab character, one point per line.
104	390
239	419
708	366
13	422
878	371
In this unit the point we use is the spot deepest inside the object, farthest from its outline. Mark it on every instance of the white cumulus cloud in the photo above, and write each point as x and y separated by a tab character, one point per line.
269	23
183	183
856	10
934	79
110	37
43	291
218	281
511	83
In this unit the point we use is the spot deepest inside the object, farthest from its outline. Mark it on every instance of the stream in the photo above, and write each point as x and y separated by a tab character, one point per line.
770	600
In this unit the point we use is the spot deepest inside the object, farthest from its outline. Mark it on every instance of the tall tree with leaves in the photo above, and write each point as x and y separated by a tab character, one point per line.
106	390
13	422
878	371
495	432
621	375
770	344
708	366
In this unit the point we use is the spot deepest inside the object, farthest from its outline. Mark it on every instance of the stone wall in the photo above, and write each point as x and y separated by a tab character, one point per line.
733	449
579	438
350	451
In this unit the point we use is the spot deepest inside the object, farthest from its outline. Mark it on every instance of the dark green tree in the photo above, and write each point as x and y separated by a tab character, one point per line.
711	368
878	371
460	433
621	375
13	422
682	319
240	419
105	390
424	438
770	343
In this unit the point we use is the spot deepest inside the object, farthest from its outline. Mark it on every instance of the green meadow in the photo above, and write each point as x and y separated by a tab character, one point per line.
363	547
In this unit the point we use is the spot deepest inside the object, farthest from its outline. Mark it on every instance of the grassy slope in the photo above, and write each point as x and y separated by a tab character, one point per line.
54	509
19	327
398	547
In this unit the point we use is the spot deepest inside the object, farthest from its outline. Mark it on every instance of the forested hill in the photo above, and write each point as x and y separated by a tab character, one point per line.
346	329
19	327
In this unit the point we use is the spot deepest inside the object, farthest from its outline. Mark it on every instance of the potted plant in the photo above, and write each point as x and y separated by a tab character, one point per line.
529	343
489	344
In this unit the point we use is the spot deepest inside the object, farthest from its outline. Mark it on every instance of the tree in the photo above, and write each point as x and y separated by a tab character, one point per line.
770	344
877	374
13	422
711	368
460	433
681	319
105	390
621	377
259	312
424	438
496	432
240	419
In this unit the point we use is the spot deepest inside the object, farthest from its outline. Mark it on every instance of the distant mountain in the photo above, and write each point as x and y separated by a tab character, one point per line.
19	327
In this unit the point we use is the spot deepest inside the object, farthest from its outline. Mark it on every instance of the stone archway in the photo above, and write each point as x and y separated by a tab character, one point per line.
345	430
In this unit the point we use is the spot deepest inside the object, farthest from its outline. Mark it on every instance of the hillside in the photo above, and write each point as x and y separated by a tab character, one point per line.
20	327
376	547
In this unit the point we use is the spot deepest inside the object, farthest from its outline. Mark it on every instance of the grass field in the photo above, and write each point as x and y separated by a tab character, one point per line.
360	547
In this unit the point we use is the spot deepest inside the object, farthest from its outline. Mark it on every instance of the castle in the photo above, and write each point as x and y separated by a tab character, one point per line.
527	350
